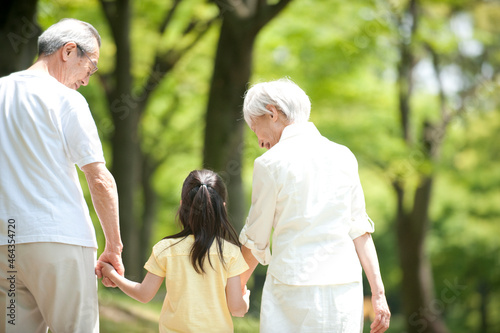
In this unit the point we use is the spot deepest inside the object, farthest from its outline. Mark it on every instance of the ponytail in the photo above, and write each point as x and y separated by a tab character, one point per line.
203	214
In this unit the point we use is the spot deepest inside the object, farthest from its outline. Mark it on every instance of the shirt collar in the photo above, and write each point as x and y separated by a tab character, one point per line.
299	129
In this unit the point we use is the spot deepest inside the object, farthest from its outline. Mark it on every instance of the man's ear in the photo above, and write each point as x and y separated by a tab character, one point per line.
67	50
275	114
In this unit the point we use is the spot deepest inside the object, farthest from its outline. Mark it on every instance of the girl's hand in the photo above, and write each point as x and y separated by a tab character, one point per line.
106	269
111	258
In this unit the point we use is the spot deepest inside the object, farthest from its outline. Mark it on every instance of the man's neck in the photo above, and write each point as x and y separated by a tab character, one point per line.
48	66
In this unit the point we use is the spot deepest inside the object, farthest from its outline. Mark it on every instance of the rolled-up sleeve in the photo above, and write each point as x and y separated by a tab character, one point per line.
256	233
360	222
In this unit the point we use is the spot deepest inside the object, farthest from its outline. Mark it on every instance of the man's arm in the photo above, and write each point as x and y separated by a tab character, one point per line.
369	260
104	194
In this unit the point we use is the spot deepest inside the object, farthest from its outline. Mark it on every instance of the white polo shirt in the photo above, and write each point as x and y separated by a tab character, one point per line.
45	129
307	189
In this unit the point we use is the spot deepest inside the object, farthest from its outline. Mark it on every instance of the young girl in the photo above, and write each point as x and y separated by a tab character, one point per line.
201	264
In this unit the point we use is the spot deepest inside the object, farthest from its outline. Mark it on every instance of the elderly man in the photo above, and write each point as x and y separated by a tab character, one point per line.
47	240
307	189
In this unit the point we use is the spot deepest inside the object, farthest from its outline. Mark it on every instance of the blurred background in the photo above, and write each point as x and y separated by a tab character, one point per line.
411	87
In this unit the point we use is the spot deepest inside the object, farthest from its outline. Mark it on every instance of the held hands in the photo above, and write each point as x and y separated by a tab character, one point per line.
107	272
382	314
112	259
242	307
246	297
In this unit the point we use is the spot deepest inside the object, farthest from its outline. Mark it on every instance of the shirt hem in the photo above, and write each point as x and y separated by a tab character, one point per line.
84	243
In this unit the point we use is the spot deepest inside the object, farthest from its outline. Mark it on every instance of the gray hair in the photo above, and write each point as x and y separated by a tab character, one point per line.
284	94
65	31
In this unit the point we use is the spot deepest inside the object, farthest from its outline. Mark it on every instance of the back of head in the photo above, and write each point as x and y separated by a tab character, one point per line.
200	182
284	94
203	214
65	31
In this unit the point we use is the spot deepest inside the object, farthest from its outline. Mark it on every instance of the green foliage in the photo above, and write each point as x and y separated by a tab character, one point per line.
467	212
344	54
346	63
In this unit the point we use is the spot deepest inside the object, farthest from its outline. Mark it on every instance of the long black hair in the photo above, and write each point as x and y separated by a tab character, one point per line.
202	213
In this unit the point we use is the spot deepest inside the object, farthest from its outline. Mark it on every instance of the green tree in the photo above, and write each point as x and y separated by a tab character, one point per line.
398	128
131	165
426	135
352	67
223	148
18	35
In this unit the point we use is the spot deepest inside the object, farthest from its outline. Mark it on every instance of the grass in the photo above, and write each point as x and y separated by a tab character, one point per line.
120	313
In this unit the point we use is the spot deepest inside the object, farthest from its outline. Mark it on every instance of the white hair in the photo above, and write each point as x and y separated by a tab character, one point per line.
284	94
65	31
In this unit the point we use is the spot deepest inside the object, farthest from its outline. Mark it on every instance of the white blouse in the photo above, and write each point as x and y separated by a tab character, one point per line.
307	189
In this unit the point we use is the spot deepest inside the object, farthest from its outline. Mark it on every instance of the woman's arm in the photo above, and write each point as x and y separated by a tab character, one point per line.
252	264
143	292
369	260
236	302
256	233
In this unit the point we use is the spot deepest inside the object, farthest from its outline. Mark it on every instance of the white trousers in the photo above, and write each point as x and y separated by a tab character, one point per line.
46	285
311	309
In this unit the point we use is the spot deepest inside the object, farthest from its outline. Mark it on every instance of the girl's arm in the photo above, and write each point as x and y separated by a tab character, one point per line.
143	292
237	302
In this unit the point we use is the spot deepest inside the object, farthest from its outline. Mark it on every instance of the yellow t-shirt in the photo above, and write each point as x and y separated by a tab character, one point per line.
194	302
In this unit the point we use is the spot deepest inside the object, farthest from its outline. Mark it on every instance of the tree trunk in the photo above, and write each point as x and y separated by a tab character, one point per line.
484	291
150	199
423	310
18	35
127	109
125	143
224	126
224	130
126	171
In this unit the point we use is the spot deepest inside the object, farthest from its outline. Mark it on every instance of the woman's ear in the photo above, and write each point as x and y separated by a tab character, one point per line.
274	112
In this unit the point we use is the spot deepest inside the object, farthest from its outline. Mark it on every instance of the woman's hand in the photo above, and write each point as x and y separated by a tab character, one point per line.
368	257
382	314
246	297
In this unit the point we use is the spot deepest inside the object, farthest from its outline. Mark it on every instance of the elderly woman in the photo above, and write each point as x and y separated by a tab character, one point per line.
307	189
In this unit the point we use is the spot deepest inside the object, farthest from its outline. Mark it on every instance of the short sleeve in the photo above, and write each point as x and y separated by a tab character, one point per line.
154	266
80	133
237	265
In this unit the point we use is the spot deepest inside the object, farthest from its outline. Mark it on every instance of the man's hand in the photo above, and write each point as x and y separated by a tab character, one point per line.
115	260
